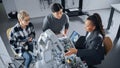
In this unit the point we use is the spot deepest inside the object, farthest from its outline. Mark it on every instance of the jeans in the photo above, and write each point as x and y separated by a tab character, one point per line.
28	58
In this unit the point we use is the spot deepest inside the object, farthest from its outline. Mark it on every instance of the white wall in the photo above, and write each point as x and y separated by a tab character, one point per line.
9	5
71	3
98	4
34	6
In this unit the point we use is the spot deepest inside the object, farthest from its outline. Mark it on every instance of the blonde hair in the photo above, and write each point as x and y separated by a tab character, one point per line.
22	14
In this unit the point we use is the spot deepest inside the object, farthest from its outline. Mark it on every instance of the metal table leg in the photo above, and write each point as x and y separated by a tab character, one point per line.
117	36
110	18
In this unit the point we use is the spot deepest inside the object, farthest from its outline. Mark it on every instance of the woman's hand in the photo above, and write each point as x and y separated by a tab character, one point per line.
71	51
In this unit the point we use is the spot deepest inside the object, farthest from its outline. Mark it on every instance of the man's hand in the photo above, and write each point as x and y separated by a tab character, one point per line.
65	32
71	51
64	35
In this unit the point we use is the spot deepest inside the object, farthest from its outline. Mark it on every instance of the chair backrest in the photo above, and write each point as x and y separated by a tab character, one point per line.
8	33
107	42
16	56
8	36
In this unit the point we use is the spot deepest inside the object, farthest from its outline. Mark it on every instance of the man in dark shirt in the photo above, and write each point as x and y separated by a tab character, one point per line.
57	20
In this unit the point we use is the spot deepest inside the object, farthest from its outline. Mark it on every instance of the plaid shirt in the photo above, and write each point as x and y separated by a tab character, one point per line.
19	35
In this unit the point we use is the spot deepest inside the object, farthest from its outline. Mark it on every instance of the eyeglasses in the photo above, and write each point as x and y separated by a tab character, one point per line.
27	20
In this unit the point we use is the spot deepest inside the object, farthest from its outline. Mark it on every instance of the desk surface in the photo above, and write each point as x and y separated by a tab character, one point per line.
116	7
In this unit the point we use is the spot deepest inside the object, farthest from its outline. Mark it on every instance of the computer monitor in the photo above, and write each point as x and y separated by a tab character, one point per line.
74	37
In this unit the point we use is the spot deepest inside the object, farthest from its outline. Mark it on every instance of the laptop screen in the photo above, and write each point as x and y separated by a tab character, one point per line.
74	37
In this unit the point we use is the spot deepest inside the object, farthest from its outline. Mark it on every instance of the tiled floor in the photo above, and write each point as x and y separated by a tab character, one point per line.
110	61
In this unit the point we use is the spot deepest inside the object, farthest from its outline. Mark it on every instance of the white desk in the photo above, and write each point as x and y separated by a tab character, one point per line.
117	36
114	7
4	56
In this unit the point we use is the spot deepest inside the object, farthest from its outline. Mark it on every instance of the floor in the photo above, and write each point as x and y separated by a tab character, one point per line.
76	23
